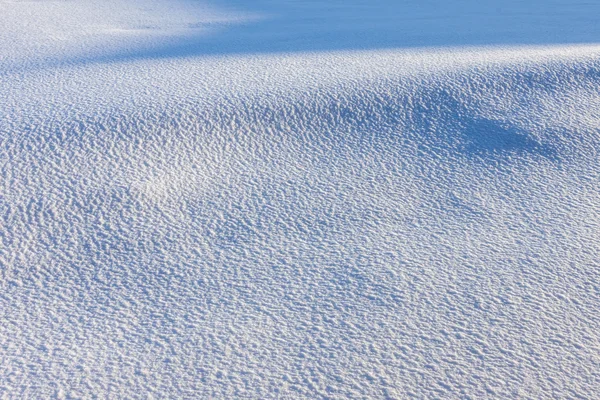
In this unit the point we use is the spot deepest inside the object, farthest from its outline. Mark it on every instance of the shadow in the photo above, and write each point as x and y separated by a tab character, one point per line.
310	25
483	136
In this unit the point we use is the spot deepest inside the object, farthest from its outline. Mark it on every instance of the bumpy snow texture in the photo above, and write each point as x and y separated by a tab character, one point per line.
185	217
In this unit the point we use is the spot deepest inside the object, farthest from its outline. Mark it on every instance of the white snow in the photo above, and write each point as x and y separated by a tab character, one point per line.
384	222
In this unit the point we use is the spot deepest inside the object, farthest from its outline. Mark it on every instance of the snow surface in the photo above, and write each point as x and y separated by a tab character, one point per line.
374	223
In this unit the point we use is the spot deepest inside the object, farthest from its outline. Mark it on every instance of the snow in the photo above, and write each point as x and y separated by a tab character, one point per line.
198	203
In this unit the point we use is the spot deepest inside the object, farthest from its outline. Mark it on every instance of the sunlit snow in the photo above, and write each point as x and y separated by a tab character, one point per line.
187	212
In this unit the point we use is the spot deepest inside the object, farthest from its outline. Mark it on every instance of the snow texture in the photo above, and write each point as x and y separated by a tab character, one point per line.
383	223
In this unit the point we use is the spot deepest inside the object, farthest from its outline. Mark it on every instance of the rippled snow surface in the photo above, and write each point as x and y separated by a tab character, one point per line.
341	224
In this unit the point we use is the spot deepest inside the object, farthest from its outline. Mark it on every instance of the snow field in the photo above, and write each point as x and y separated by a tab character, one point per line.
352	224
